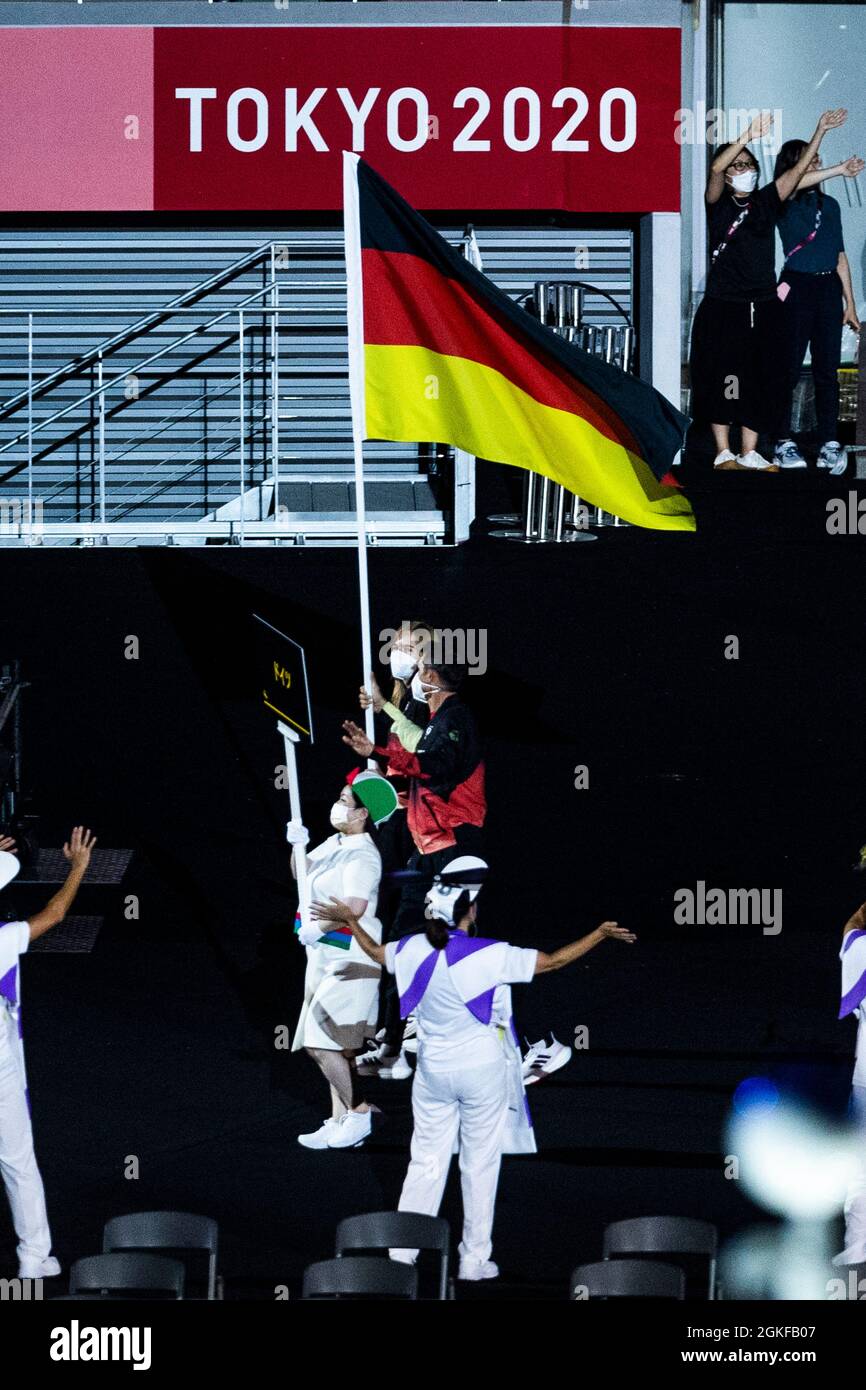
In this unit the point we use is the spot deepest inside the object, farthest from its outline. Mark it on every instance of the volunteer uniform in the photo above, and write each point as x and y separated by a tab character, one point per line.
341	986
17	1159
853	955
811	317
467	1094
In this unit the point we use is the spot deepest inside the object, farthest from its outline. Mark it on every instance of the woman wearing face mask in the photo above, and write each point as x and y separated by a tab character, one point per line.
341	988
736	374
401	720
817	300
406	711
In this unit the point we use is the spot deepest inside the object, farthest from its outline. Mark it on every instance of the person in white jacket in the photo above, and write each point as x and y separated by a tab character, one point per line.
21	1175
468	1079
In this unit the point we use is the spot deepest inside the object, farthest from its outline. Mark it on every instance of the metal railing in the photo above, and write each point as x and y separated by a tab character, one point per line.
99	460
109	396
550	513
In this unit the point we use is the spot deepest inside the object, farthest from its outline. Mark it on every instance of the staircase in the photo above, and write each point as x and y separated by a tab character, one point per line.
191	386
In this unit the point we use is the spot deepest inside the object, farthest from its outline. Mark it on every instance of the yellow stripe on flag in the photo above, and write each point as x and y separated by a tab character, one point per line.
413	393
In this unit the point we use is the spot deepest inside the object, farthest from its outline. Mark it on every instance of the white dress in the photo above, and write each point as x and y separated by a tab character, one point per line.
341	987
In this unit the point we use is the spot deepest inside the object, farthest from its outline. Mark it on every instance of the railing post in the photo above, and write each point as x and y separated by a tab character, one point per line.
101	444
30	428
243	460
275	385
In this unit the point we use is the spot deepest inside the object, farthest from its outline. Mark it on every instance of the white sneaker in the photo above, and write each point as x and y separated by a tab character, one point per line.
43	1269
319	1138
377	1056
787	455
473	1270
834	457
410	1034
543	1059
353	1129
755	460
725	459
400	1071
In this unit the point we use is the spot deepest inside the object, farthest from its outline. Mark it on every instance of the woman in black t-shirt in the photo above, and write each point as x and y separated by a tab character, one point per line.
736	374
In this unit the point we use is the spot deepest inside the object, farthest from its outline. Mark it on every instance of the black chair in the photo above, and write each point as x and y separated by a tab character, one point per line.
150	1276
360	1277
399	1230
171	1231
669	1235
627	1279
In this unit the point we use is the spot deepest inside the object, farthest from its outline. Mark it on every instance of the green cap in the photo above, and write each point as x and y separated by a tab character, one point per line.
376	793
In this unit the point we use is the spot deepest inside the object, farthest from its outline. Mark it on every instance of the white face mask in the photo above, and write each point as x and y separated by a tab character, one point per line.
744	183
422	690
340	814
402	665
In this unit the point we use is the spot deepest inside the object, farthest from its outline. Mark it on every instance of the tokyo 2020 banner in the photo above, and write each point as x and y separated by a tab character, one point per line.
101	119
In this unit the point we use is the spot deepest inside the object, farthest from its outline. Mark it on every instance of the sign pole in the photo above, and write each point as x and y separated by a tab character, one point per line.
290	738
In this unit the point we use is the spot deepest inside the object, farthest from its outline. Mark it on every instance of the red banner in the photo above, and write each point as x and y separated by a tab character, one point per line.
247	118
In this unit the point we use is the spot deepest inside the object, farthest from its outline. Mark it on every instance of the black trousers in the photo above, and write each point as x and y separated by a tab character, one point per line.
737	364
409	917
812	318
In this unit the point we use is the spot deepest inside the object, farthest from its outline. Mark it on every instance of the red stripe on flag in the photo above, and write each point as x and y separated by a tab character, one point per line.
408	303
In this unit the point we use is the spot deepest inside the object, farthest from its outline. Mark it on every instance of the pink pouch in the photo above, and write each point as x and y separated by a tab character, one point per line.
783	289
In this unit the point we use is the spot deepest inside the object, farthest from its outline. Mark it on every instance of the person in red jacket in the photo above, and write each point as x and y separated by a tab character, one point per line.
446	804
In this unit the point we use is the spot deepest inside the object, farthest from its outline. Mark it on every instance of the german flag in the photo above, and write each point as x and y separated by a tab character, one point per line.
438	352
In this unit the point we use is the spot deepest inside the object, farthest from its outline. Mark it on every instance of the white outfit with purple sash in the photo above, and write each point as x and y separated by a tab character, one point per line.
17	1158
853	955
468	1092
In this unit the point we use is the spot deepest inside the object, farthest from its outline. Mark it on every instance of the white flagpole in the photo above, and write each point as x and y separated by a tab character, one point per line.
355	316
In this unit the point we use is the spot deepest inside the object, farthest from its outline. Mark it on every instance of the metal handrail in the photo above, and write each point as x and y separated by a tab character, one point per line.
166	423
133	371
135	330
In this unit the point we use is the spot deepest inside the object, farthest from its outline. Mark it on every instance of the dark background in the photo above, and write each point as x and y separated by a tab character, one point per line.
742	773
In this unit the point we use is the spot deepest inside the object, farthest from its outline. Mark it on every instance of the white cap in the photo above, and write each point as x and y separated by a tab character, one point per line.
456	878
10	865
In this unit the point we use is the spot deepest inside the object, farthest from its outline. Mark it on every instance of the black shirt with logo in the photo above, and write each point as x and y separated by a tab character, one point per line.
746	268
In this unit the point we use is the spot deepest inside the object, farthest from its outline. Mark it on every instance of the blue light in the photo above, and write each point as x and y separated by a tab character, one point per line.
755	1092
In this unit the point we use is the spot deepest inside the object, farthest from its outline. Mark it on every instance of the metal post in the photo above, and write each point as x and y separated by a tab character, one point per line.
275	385
243	460
101	443
30	428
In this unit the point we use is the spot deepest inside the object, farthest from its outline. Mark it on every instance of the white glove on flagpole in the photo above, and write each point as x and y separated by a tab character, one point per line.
297	834
309	935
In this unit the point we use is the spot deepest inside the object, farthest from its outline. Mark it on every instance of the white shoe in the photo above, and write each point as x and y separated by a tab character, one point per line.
410	1034
377	1056
543	1059
755	460
787	455
725	459
354	1128
319	1138
400	1071
43	1269
834	457
473	1270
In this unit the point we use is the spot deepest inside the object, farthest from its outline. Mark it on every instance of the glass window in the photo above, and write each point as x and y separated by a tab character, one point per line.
798	60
